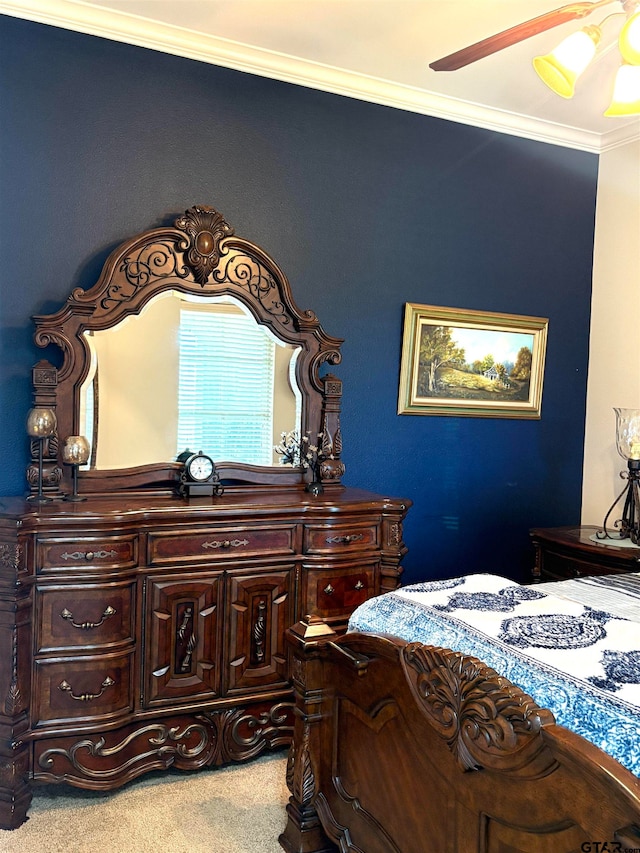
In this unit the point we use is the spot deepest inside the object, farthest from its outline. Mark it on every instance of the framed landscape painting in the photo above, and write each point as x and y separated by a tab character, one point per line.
471	363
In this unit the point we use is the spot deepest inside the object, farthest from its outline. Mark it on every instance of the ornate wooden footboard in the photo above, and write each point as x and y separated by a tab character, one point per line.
405	748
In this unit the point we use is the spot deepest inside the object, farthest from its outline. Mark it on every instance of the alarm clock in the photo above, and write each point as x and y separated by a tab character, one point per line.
199	477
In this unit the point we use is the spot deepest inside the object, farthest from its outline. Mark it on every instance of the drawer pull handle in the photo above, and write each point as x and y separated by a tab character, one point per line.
328	590
186	663
86	697
359	585
344	540
89	555
86	626
192	640
225	543
258	632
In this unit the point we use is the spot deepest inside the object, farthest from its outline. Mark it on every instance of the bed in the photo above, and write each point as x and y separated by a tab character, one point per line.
412	736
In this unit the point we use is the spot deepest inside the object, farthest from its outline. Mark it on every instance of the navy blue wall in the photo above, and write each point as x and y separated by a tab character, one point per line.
364	207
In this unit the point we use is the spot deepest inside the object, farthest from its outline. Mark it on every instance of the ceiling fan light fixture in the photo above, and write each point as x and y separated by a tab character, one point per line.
561	68
626	92
629	40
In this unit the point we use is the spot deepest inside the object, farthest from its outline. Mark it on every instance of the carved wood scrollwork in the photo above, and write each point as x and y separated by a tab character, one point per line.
9	556
13	703
205	228
301	780
211	738
486	720
244	271
165	741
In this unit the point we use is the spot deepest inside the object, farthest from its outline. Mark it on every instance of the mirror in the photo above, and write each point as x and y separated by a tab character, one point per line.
190	339
188	372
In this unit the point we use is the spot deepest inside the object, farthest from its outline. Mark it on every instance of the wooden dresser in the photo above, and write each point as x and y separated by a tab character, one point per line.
144	604
569	552
142	633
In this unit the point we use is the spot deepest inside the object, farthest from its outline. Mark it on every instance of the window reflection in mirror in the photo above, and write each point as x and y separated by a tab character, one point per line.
189	372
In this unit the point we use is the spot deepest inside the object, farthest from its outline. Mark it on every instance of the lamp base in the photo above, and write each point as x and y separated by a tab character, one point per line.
627	527
74	497
39	499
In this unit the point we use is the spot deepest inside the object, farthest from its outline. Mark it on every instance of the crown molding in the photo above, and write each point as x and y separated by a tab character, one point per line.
620	136
131	29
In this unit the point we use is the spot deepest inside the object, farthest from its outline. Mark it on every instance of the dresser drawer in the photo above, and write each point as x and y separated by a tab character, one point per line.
217	543
103	552
334	593
340	538
90	687
84	616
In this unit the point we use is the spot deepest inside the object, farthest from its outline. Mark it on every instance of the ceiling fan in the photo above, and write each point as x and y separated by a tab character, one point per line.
525	30
561	68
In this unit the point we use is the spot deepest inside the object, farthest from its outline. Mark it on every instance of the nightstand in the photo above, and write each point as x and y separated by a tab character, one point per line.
569	552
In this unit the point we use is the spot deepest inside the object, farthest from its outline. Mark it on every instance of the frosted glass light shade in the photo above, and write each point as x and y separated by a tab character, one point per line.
629	40
561	68
626	92
628	433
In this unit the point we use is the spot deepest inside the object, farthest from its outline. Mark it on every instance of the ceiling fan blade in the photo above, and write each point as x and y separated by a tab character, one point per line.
513	35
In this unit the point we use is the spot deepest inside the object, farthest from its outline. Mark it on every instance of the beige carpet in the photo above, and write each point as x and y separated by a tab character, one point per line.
235	809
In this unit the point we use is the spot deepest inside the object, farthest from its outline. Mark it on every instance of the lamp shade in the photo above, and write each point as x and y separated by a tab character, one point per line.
75	450
561	68
626	92
41	422
628	433
629	40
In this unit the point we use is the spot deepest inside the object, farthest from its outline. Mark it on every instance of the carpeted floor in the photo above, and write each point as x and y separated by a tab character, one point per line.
235	809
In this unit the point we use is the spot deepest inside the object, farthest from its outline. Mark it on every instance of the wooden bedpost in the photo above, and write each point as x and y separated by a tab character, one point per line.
303	832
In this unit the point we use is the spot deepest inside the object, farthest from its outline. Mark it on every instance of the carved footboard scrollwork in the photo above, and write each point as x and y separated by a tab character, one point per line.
486	720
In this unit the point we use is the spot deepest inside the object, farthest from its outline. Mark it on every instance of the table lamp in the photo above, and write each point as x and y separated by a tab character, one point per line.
628	445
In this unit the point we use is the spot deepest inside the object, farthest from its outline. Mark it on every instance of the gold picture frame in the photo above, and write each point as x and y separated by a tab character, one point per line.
471	363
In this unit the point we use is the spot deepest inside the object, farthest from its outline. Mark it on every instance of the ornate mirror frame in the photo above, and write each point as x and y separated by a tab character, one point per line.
199	255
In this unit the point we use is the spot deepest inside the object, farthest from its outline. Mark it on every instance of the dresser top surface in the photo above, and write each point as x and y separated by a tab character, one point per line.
265	502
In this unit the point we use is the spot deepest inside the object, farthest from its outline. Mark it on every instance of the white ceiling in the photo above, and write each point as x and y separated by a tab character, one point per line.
375	50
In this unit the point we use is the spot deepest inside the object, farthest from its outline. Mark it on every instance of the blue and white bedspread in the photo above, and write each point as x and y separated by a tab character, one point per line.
581	663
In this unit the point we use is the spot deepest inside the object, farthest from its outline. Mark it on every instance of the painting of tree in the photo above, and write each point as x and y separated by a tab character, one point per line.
522	367
437	349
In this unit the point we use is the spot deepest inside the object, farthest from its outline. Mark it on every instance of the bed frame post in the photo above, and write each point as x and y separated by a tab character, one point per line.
303	832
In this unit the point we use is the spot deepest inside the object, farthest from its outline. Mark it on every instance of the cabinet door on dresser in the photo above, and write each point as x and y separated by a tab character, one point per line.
183	637
260	607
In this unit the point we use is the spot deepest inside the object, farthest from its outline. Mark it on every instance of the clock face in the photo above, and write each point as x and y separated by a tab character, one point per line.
200	468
